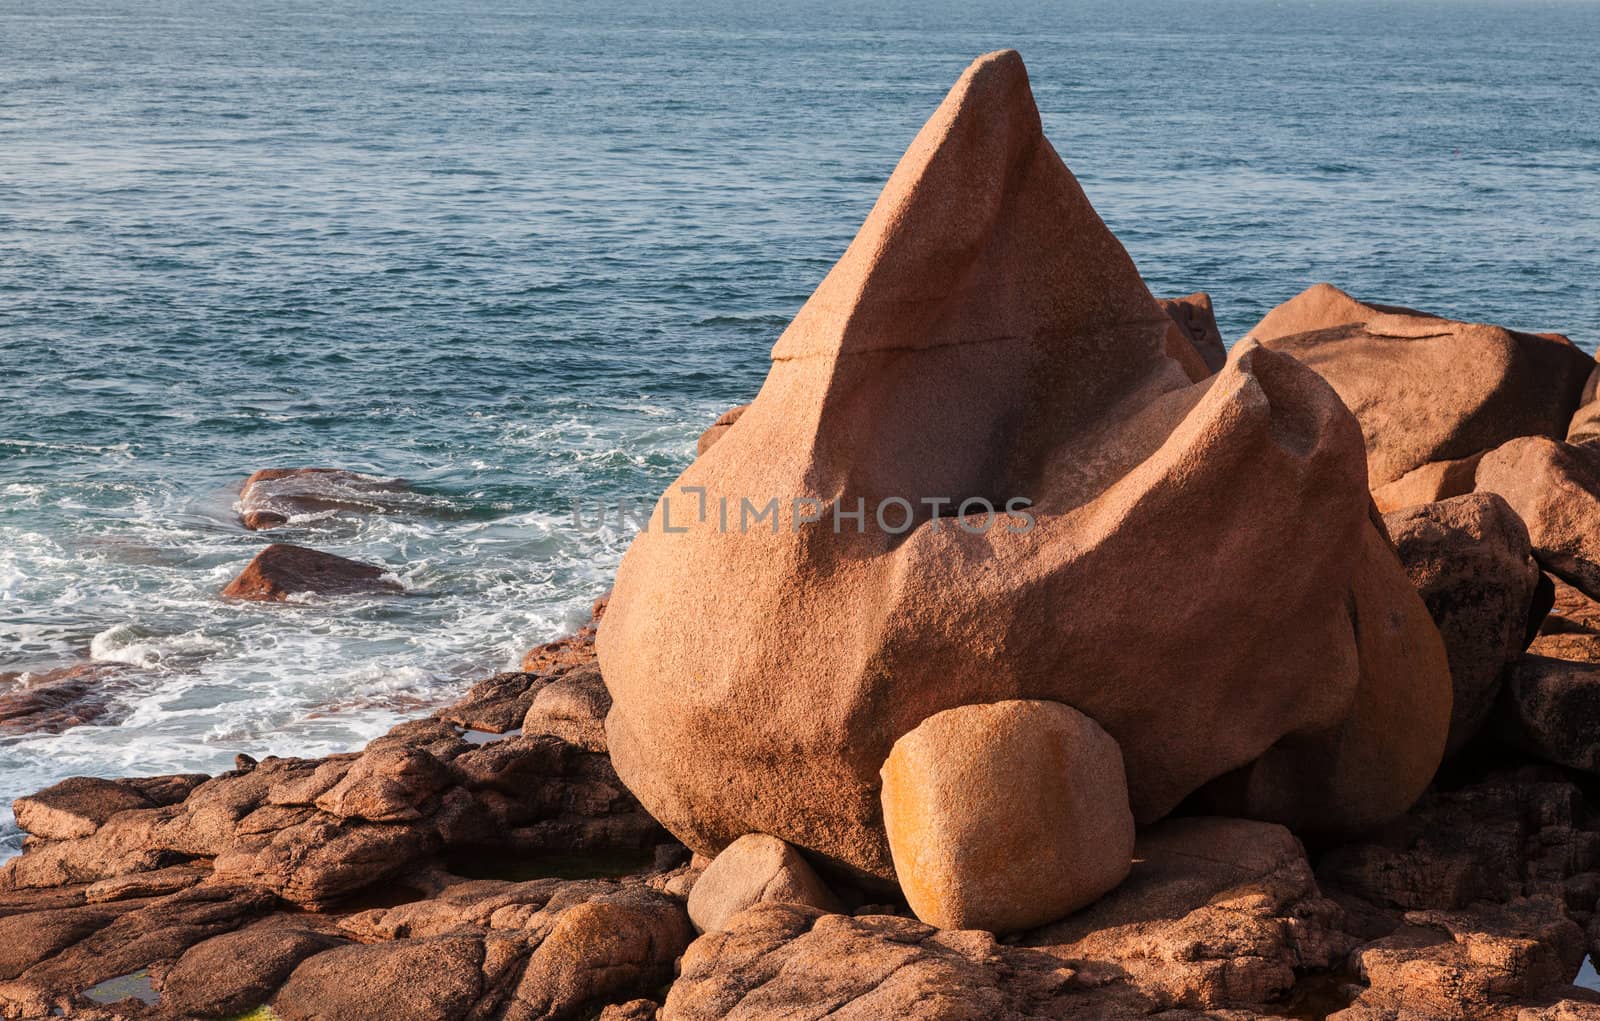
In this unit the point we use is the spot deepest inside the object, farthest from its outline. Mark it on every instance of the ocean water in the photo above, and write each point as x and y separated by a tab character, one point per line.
520	254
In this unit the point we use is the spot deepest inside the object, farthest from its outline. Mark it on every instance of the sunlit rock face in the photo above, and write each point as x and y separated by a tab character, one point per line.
1196	569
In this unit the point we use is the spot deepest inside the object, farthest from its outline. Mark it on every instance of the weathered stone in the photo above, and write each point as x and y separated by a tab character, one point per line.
1469	964
572	707
387	785
1427	389
611	948
236	972
281	571
51	701
1552	708
76	807
786	960
319	861
433	979
496	704
159	883
1215	913
29	938
1555	488
1498	840
152	931
942	359
1429	483
1052	832
755	869
1470	559
572	651
1585	424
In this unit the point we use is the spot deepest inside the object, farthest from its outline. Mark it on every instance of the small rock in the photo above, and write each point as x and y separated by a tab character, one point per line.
282	570
1051	831
1428	483
51	701
391	784
755	869
496	704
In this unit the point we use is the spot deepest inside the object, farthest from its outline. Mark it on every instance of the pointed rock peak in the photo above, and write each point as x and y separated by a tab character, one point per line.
981	235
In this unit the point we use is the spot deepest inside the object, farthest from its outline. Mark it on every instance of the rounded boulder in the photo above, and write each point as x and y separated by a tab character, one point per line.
1052	833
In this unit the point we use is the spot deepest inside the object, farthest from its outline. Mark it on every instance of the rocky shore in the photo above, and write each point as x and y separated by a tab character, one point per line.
1280	697
485	862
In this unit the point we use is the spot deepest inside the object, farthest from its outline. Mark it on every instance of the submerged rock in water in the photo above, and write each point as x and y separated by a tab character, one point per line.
985	338
273	496
53	700
1428	389
281	571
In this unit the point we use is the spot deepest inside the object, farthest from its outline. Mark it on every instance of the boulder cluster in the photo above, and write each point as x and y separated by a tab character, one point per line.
1276	695
486	862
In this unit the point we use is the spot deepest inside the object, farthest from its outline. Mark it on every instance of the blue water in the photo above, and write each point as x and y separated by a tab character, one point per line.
522	253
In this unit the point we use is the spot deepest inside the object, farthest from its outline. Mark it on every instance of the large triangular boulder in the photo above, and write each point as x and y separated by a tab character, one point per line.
1197	571
1432	394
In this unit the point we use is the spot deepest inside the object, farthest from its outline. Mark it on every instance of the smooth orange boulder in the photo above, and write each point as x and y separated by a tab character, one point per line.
1196	571
1428	389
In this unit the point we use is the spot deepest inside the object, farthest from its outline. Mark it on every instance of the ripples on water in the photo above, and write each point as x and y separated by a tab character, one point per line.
522	253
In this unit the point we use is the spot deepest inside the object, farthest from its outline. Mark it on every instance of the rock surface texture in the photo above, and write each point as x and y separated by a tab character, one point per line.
986	337
1427	389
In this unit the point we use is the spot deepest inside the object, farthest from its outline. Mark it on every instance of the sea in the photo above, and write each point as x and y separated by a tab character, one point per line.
519	254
